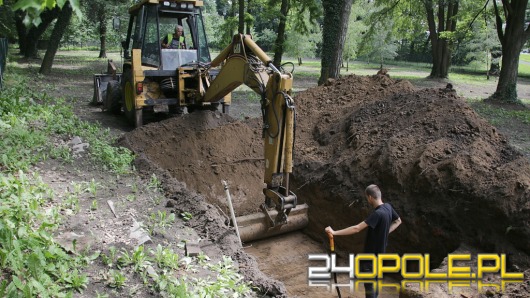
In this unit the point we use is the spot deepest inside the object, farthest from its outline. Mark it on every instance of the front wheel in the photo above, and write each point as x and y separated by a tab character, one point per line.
134	115
113	97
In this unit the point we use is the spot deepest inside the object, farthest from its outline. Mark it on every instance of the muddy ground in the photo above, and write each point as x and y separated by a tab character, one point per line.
454	178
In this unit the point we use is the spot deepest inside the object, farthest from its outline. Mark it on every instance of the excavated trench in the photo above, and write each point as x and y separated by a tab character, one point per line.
451	176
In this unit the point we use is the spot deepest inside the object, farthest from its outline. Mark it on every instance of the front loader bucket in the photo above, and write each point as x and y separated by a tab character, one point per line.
100	87
256	226
101	81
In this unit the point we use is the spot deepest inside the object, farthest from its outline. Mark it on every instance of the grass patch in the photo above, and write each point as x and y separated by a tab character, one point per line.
498	115
32	126
31	263
29	120
524	57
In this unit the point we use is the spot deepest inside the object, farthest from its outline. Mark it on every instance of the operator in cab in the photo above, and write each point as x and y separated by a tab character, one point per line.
175	40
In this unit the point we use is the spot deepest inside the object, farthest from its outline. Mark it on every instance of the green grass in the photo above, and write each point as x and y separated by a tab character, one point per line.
498	115
31	262
524	69
524	57
30	119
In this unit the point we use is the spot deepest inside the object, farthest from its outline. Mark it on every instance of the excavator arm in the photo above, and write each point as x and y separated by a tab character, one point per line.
243	62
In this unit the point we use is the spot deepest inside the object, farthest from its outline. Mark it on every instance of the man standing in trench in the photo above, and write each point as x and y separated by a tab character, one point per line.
381	222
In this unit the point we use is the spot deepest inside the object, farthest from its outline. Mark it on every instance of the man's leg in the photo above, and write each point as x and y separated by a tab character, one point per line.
370	288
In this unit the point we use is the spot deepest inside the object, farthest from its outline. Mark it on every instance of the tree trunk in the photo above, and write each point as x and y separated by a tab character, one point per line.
231	16
512	41
249	21
280	38
336	15
55	39
441	51
102	15
21	31
241	25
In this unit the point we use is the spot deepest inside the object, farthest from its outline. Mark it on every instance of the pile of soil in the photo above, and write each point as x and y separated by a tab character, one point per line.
450	175
202	149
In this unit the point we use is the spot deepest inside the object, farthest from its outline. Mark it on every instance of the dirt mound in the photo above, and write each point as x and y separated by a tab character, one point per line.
203	148
452	177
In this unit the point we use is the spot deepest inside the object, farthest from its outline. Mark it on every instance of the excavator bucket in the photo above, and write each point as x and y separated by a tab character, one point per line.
257	225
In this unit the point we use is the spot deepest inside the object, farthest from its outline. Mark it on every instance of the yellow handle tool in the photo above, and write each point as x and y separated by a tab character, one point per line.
331	242
332	248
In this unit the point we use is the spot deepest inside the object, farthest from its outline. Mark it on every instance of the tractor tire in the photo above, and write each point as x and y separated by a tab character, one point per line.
112	101
135	116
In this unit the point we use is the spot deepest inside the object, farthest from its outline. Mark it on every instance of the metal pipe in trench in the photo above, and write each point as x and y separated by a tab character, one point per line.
255	226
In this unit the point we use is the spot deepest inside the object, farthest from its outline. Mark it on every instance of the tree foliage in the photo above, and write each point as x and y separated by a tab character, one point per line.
34	8
302	40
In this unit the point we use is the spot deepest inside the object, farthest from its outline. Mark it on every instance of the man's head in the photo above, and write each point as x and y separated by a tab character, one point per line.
373	195
179	30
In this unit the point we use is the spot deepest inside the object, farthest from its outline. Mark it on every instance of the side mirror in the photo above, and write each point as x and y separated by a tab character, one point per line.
116	23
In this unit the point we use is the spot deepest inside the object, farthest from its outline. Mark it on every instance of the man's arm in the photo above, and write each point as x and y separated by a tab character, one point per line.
394	225
347	231
164	43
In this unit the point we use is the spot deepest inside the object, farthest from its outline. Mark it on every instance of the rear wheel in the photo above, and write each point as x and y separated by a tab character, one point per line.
135	116
112	101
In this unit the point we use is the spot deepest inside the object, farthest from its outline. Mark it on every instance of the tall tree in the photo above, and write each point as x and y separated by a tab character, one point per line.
249	19
438	34
279	44
512	35
97	13
102	19
356	30
336	17
241	23
301	19
55	39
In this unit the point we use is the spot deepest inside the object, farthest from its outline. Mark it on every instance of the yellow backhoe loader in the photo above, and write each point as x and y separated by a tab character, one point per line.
155	76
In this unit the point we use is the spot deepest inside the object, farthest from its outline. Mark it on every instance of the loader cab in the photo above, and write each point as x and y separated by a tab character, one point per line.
150	23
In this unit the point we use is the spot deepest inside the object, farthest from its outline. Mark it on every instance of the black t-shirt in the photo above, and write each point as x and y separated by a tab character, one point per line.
379	222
